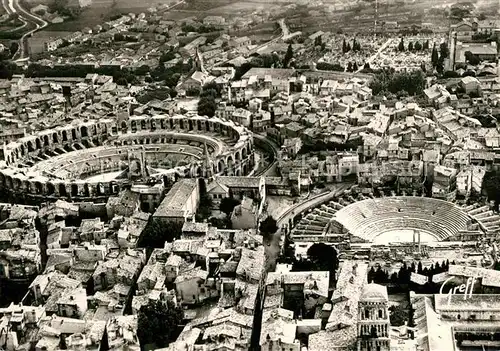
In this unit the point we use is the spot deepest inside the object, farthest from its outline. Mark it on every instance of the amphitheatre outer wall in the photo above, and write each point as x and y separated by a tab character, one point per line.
23	180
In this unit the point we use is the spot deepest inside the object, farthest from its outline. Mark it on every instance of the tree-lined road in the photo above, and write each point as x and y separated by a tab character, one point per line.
13	7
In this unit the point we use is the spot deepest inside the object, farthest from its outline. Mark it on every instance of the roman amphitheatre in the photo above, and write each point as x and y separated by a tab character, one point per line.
92	160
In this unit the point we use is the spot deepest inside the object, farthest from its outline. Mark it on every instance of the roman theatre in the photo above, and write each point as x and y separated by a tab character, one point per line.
392	219
92	160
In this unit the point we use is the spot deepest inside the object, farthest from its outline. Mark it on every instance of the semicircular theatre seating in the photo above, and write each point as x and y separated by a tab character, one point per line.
317	220
489	219
441	218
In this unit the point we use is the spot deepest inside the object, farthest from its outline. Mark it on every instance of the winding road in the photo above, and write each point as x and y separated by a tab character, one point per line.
273	160
12	7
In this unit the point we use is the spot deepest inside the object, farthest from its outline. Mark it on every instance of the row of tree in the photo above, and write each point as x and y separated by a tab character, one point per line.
413	83
402	277
346	46
352	67
413	47
438	57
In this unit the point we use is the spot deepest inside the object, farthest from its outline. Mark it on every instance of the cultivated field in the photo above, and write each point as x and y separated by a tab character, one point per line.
306	17
36	42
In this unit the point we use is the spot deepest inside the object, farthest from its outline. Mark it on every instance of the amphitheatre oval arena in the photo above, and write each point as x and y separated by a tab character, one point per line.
92	160
384	220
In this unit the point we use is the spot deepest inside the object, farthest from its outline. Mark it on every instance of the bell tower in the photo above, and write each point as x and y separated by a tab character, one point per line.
373	319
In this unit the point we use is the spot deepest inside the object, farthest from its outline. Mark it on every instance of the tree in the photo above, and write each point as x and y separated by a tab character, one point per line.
348	47
205	208
434	56
344	46
443	51
413	83
418	46
410	46
474	60
398	315
355	45
324	257
207	106
157	232
324	66
401	46
288	56
62	342
7	70
491	185
167	56
157	322
122	81
227	205
268	226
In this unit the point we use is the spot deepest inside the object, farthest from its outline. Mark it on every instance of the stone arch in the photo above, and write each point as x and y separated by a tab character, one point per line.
73	134
38	188
245	169
27	186
237	156
31	147
198	172
9	182
244	153
100	189
86	190
74	189
230	162
238	173
190	124
220	166
38	144
94	129
152	123
171	122
55	138
181	123
62	189
124	127
51	189
198	122
46	140
163	123
207	126
143	124
64	136
17	183
23	150
84	132
133	126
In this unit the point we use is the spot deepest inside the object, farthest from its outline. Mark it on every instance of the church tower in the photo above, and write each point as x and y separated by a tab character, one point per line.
208	164
373	319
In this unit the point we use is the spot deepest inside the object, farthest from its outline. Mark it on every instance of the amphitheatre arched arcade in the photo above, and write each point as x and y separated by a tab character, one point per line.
63	162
